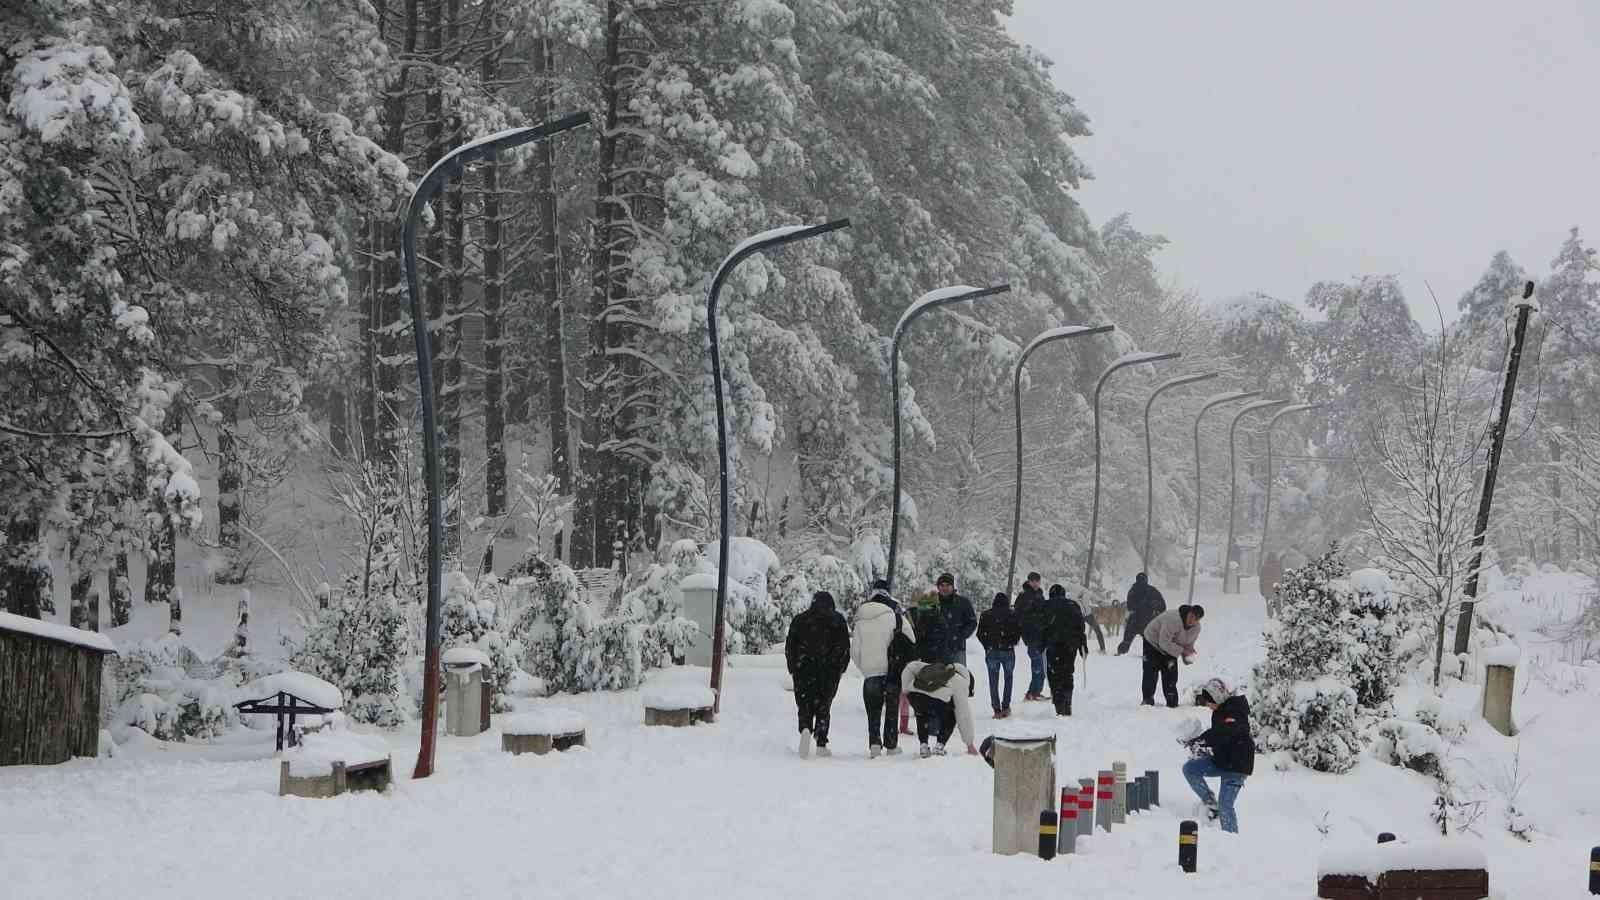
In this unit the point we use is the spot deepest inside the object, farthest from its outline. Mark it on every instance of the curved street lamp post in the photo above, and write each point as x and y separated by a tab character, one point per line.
1149	463
1131	359
926	303
449	165
1233	485
1266	510
1218	400
766	240
1044	337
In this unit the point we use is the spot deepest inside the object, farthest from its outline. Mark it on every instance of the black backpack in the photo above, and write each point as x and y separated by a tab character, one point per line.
902	649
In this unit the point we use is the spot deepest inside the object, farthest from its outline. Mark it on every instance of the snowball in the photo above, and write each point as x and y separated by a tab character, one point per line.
51	631
543	720
318	752
678	696
307	687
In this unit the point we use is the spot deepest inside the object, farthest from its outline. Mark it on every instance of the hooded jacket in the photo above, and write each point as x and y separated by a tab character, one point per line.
818	647
1167	633
1064	626
1232	748
1144	604
943	626
1031	611
953	692
869	646
999	628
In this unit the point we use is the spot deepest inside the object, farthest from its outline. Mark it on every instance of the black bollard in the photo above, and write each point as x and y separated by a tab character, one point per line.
1133	793
1594	871
1141	794
1047	834
1153	779
1385	837
1188	844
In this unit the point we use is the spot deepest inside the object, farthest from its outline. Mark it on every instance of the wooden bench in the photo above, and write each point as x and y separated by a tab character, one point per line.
375	775
1436	870
541	730
679	706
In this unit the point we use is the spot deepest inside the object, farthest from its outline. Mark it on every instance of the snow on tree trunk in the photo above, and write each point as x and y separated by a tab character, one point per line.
85	611
555	353
161	573
121	591
494	376
26	584
452	386
230	490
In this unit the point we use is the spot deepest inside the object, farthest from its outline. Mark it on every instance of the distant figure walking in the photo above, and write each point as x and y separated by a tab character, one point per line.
818	652
938	692
1064	640
1229	753
1169	637
1144	603
882	645
999	629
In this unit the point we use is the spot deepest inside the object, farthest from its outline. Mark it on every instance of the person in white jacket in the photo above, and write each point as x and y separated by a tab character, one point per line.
869	647
940	699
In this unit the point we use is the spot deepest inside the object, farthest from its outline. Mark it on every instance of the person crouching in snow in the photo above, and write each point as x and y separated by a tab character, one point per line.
818	652
1169	637
938	692
882	645
1229	753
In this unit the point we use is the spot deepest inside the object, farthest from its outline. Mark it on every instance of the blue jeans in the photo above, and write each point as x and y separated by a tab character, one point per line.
997	661
1196	771
1036	670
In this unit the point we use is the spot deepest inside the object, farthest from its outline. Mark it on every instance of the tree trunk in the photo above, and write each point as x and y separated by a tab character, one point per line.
452	386
85	611
230	488
550	279
161	578
121	591
494	376
25	580
1555	505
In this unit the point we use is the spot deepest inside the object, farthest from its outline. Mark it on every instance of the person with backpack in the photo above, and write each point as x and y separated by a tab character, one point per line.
1030	610
1065	638
999	629
938	692
882	645
1225	751
817	652
1169	637
1144	603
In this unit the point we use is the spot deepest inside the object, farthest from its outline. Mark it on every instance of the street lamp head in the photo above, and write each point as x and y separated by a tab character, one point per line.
1181	380
933	299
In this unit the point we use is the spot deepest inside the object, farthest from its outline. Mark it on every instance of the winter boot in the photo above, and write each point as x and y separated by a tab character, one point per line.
924	752
824	752
873	750
892	751
805	743
940	751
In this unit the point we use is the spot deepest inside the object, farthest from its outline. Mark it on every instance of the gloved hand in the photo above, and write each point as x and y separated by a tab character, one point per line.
1122	650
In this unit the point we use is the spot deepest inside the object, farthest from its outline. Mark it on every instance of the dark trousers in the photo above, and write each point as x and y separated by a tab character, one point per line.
1060	662
934	717
1000	662
814	702
881	694
1159	664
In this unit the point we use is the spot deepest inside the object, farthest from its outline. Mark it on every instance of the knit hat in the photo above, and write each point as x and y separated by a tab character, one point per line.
1217	690
946	578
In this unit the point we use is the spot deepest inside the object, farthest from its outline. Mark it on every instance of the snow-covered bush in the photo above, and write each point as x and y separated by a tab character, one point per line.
357	644
571	650
160	692
1377	619
469	617
823	572
1410	744
1448	721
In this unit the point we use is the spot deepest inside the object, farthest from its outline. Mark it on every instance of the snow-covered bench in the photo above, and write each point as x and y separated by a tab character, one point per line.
304	702
541	730
329	765
1421	870
678	705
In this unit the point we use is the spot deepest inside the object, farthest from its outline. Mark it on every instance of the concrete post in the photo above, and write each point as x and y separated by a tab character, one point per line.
700	607
463	700
1069	820
1119	793
1024	784
1103	799
1498	684
1085	807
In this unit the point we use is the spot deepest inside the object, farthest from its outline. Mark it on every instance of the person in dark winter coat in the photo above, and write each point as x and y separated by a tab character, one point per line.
1169	637
1030	609
1064	639
1144	603
818	652
999	629
1229	753
944	623
872	647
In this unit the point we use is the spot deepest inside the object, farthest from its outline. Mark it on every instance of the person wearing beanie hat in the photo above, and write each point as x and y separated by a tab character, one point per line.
944	640
1227	753
999	629
817	652
881	646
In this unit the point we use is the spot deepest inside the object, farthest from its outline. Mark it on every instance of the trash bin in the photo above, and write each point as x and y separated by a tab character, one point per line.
1024	785
466	691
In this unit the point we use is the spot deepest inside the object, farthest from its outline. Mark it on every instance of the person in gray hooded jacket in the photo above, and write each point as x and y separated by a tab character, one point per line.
1169	637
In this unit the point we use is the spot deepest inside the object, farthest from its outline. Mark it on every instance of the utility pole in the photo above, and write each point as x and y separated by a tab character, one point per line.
1497	439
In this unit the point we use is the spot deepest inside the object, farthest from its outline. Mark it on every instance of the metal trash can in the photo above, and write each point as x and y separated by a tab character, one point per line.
466	697
1024	786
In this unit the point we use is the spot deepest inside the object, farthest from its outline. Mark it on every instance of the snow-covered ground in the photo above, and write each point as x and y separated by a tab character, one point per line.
730	809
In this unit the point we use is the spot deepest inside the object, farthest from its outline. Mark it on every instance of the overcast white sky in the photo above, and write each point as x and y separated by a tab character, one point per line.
1277	143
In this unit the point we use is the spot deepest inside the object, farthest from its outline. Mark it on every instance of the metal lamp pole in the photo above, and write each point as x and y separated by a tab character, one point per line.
1218	400
449	165
1233	483
1149	463
1044	337
927	302
1131	359
1266	511
766	240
